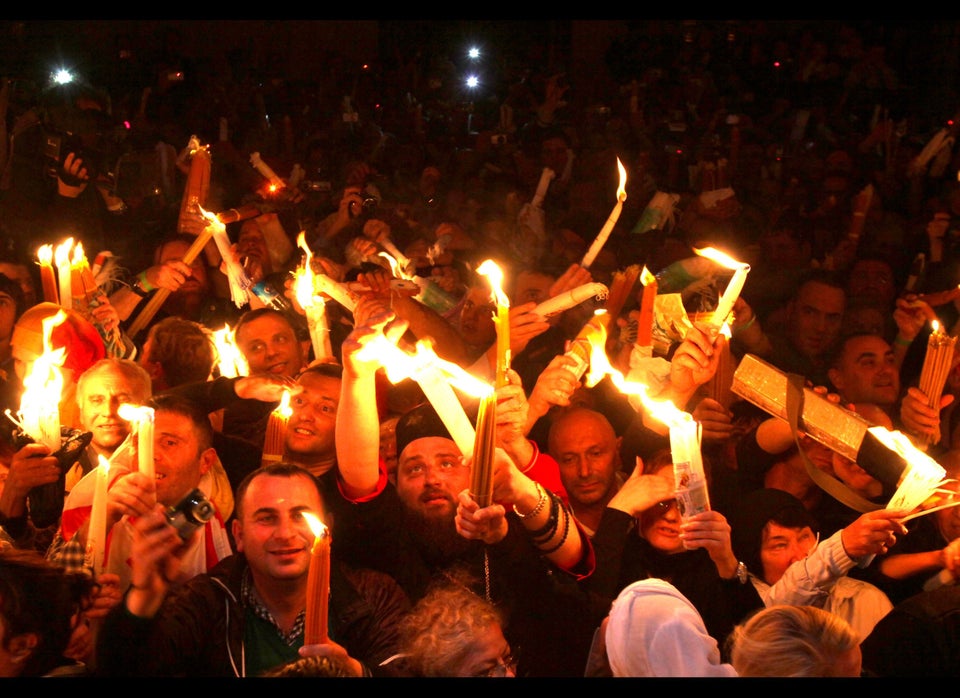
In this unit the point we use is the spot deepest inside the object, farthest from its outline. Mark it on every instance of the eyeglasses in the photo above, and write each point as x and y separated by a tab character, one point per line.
505	666
661	508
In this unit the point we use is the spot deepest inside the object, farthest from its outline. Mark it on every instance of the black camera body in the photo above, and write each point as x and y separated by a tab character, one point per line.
368	205
56	146
190	513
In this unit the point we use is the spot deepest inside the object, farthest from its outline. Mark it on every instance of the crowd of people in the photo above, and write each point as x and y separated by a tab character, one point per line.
556	539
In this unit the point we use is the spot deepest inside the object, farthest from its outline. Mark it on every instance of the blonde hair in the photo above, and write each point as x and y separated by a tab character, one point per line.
440	632
790	641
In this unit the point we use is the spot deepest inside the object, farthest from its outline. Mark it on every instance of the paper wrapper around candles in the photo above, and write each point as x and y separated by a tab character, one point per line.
198	182
936	367
839	429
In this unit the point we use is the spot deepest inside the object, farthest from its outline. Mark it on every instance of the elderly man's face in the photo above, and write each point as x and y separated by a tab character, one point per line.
102	394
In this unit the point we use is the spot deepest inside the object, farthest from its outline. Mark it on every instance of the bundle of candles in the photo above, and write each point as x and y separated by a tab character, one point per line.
481	471
936	367
276	430
318	583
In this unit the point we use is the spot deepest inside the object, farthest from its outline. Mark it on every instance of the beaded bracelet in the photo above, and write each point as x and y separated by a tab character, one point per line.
536	510
544	534
563	538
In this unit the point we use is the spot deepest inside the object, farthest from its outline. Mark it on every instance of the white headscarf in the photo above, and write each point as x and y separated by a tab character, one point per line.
654	630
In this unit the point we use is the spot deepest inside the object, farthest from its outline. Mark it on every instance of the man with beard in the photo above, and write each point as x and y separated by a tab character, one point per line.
529	559
584	444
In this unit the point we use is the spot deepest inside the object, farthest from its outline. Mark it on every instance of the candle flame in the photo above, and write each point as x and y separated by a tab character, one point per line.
400	365
494	275
922	476
135	413
283	409
45	254
600	367
230	360
622	189
721	258
317	527
79	258
212	218
62	253
303	286
646	276
935	326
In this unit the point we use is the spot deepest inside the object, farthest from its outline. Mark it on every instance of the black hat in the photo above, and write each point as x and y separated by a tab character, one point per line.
754	511
420	422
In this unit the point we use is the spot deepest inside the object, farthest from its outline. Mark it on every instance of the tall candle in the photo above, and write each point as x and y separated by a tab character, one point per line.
97	530
64	272
690	481
318	583
734	286
607	228
276	430
490	269
568	299
142	419
265	170
647	301
314	307
481	471
48	279
545	178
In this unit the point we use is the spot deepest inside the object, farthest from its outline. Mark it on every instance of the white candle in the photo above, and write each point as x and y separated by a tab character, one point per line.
64	272
265	169
569	299
319	331
690	482
607	228
448	407
97	530
730	295
545	178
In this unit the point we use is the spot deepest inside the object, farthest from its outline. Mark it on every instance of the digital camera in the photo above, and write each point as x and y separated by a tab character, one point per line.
190	513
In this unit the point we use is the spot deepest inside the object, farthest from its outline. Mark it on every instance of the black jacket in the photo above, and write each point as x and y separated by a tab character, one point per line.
199	630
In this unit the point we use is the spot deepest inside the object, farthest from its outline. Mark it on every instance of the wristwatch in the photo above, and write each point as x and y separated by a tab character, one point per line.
742	573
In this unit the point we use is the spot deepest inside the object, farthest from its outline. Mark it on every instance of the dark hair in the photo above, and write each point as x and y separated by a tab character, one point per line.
38	596
281	469
754	511
184	406
329	369
828	277
836	354
183	348
256	314
12	288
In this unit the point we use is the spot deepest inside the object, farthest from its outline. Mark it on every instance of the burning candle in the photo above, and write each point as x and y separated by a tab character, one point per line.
647	301
97	531
734	286
436	378
239	281
318	583
42	386
314	306
607	228
142	419
481	471
48	279
936	367
276	430
490	269
61	257
689	479
230	361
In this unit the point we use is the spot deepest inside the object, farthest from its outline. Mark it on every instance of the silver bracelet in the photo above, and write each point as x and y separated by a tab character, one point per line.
536	509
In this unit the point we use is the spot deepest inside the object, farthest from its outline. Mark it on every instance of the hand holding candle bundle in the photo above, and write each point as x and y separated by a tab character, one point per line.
937	364
318	583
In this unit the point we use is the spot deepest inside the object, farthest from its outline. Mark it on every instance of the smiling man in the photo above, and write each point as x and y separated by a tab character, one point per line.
183	460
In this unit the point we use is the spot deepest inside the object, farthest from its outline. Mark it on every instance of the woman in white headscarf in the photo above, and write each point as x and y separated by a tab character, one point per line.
654	630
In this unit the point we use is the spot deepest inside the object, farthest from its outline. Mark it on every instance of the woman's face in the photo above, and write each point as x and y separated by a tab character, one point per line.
660	524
